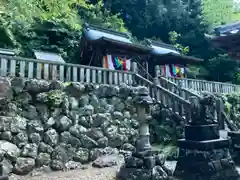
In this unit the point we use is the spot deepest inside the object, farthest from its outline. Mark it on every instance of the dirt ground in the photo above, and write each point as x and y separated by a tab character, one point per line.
87	174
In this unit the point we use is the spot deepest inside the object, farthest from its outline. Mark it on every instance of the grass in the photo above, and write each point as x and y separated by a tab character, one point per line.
170	151
236	17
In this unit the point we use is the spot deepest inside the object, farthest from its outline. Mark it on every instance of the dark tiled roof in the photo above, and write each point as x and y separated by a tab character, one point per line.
160	48
92	33
173	58
7	52
48	56
228	29
131	48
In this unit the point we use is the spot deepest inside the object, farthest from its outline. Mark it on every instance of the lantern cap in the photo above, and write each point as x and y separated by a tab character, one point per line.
142	96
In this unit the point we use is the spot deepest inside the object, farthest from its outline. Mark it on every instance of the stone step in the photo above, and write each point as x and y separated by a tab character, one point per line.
3	177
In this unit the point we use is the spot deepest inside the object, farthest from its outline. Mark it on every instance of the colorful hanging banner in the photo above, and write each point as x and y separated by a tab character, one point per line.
173	70
116	63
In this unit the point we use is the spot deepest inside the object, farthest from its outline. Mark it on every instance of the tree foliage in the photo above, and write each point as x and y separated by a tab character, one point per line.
223	68
217	12
53	25
173	37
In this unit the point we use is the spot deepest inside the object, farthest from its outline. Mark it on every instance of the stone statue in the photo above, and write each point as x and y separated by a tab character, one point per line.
203	110
195	110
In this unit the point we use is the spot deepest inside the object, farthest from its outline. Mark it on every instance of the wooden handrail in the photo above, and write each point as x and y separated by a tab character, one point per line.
199	80
231	126
191	93
178	105
203	85
163	89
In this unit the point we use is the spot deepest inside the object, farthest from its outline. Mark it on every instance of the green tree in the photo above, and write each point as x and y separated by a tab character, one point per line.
222	68
53	25
217	12
149	18
173	37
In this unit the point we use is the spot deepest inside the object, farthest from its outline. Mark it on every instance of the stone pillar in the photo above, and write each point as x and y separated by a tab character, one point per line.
1	172
144	142
203	155
144	163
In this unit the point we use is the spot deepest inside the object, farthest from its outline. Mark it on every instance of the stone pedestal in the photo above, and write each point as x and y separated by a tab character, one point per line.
1	176
148	165
204	156
235	145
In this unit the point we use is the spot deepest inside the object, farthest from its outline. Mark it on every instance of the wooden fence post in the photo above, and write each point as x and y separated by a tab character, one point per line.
220	109
180	87
134	67
157	71
158	74
135	70
156	94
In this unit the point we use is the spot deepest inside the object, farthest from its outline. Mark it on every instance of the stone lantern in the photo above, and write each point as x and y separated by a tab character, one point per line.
144	163
142	102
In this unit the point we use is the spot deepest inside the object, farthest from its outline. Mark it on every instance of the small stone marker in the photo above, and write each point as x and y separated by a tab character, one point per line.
5	87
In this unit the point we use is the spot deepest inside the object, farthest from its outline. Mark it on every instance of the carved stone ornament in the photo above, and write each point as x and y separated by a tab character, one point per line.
203	110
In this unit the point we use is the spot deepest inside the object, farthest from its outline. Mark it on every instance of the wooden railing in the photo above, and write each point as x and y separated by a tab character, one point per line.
186	94
170	100
202	85
48	70
176	88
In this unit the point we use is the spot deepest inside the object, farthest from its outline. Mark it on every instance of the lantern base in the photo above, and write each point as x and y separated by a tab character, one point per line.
4	178
147	165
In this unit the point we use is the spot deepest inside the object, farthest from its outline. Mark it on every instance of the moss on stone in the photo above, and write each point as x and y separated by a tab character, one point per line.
55	98
66	84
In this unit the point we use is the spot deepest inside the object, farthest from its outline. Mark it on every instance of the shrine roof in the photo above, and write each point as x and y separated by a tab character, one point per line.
231	28
112	39
93	33
227	38
173	58
163	53
48	56
8	52
159	48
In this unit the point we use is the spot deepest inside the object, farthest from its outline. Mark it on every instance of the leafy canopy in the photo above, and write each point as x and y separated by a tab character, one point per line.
52	25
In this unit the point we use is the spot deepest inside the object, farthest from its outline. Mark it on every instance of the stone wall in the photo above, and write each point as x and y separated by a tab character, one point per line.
64	125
